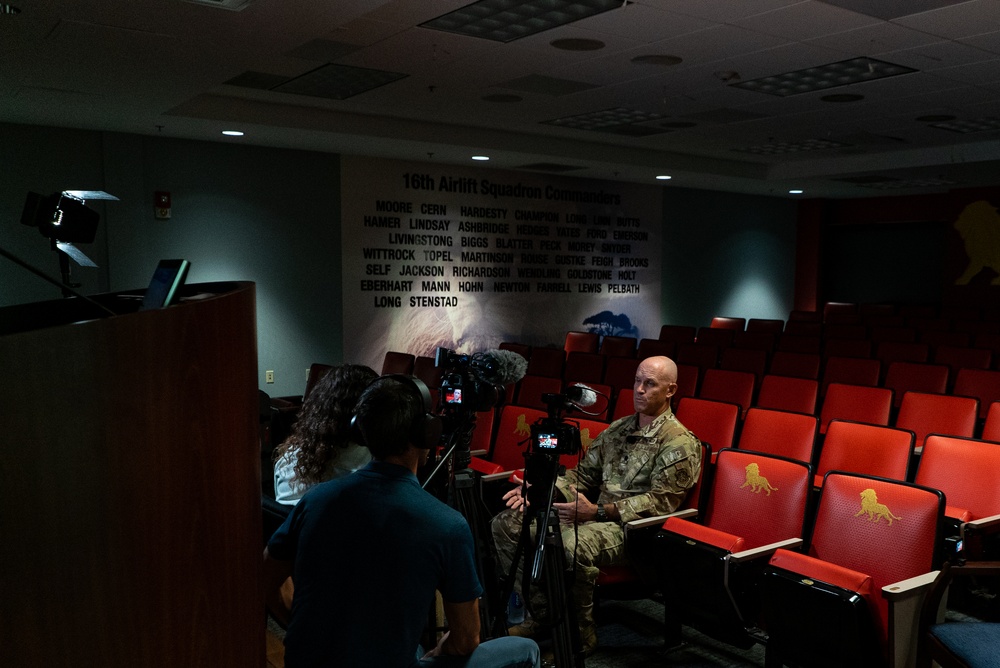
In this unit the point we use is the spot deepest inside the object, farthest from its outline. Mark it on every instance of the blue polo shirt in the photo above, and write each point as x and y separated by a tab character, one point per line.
369	550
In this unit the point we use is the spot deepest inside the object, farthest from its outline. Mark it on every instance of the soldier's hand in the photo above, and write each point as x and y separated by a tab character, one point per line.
580	509
514	498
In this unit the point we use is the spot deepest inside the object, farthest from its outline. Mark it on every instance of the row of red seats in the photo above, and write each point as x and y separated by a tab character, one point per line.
831	586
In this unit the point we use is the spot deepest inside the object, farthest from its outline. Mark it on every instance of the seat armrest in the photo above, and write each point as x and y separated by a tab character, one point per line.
494	477
478	453
904	589
658	520
906	598
765	551
989	524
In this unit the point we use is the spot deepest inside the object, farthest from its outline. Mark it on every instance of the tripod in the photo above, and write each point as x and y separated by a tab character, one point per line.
461	489
545	559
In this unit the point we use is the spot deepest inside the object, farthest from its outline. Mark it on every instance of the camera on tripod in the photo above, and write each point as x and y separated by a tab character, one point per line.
467	383
555	437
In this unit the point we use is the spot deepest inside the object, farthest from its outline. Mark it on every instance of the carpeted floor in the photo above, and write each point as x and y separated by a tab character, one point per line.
630	634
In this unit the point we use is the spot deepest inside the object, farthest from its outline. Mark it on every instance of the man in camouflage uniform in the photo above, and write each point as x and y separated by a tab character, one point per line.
641	465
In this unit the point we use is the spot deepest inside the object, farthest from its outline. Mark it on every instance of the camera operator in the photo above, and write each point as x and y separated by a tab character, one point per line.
641	465
368	550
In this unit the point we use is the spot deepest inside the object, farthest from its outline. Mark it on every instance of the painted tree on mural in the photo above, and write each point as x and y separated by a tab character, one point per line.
607	323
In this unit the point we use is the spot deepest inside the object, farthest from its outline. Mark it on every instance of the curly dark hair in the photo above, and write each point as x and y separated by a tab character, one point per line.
324	421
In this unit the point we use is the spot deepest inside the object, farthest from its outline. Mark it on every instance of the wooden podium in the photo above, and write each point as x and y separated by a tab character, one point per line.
130	483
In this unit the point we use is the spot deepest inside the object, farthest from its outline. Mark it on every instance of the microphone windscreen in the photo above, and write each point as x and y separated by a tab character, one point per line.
508	366
581	395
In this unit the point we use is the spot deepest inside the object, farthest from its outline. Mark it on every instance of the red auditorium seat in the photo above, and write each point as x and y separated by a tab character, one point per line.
546	362
619	372
677	334
756	504
397	362
866	449
786	393
713	336
765	325
845	601
903	377
966	470
656	348
724	322
791	435
744	359
733	386
850	371
857	403
713	422
584	342
925	414
618	346
584	367
798	365
991	427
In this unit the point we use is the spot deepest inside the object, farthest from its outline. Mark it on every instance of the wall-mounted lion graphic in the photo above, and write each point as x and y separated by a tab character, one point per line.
979	226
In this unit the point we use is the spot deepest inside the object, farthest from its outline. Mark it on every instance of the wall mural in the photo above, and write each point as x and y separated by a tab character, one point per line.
443	256
979	226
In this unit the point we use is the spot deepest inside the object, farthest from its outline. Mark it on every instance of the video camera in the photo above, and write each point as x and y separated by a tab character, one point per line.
475	383
556	437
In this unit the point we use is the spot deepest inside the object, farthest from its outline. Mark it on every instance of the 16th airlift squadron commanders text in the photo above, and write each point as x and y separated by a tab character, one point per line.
423	254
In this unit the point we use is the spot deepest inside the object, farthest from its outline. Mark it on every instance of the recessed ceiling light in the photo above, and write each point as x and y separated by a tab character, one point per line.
232	133
480	157
795	192
10	10
663	177
577	44
658	59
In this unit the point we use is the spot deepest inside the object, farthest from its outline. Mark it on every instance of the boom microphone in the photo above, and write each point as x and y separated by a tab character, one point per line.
500	367
581	395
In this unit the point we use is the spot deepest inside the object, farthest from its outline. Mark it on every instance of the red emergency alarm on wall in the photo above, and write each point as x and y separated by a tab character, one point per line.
162	204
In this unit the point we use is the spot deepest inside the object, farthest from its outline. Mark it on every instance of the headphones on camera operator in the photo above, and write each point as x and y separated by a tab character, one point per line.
425	430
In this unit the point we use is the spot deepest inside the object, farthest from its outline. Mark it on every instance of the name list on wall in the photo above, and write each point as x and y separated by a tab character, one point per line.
465	259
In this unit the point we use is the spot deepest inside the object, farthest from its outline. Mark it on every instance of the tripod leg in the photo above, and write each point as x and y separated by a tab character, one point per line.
562	603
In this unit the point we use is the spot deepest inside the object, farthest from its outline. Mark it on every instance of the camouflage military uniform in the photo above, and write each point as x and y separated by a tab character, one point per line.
643	471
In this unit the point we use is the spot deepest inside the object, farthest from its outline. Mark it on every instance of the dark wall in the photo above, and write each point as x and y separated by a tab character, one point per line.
727	254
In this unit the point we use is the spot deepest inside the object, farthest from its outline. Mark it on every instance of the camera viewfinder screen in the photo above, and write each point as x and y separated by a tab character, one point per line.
548	441
453	395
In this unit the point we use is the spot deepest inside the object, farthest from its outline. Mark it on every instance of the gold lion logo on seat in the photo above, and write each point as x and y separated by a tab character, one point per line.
585	439
522	428
756	482
874	510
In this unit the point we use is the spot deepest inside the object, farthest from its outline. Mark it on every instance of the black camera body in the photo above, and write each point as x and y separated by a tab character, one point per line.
464	388
555	437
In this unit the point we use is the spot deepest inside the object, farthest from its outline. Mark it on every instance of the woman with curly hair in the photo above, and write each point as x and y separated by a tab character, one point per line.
320	447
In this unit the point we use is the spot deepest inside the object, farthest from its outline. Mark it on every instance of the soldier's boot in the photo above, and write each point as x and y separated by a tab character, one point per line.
531	627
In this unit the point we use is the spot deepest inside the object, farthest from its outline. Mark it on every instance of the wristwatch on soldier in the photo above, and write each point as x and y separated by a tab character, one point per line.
602	513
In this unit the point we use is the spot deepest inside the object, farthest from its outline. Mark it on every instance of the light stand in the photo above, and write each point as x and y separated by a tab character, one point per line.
65	219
